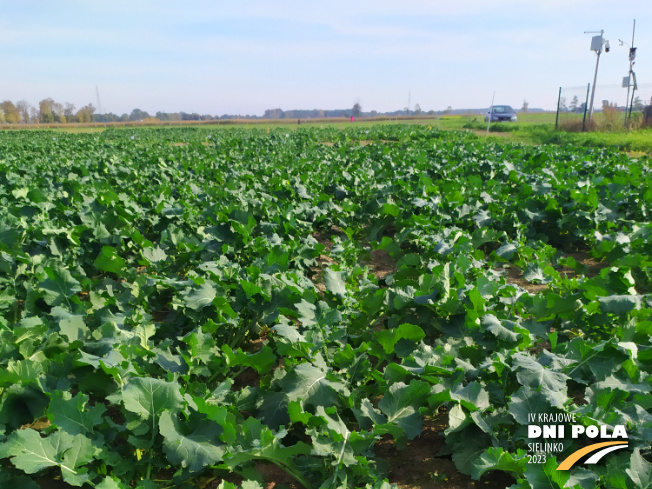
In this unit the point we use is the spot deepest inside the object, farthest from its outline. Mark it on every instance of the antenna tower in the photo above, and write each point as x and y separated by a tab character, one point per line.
99	104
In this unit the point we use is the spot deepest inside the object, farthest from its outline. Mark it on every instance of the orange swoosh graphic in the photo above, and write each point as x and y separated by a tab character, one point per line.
575	456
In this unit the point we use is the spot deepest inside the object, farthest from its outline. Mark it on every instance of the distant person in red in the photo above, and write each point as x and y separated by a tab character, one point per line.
352	118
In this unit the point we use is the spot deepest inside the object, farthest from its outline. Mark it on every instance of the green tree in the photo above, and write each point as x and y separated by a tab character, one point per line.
357	110
33	115
23	107
69	112
45	110
574	104
85	114
10	111
58	112
138	115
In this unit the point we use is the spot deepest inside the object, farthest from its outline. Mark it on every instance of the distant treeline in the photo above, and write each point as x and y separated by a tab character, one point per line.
48	111
324	114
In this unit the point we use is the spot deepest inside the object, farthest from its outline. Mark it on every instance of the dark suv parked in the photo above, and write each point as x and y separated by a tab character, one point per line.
500	113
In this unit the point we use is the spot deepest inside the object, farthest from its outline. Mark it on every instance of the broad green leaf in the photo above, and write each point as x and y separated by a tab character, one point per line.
388	339
149	397
334	439
171	212
72	326
25	372
31	453
290	333
472	396
613	382
169	361
310	385
262	361
401	405
390	210
20	192
111	483
619	304
199	297
495	458
273	408
467	445
257	442
492	324
535	376
581	478
307	316
109	261
192	448
59	286
458	419
221	415
640	471
534	272
277	259
202	346
527	401
595	361
482	218
334	283
552	304
72	414
404	296
546	476
367	415
154	255
613	470
506	251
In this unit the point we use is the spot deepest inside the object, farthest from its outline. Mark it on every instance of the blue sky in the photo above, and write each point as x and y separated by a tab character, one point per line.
242	58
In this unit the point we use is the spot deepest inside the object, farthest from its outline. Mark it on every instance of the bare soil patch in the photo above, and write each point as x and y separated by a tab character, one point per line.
380	264
414	466
583	258
418	466
275	476
590	264
515	276
324	260
324	237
